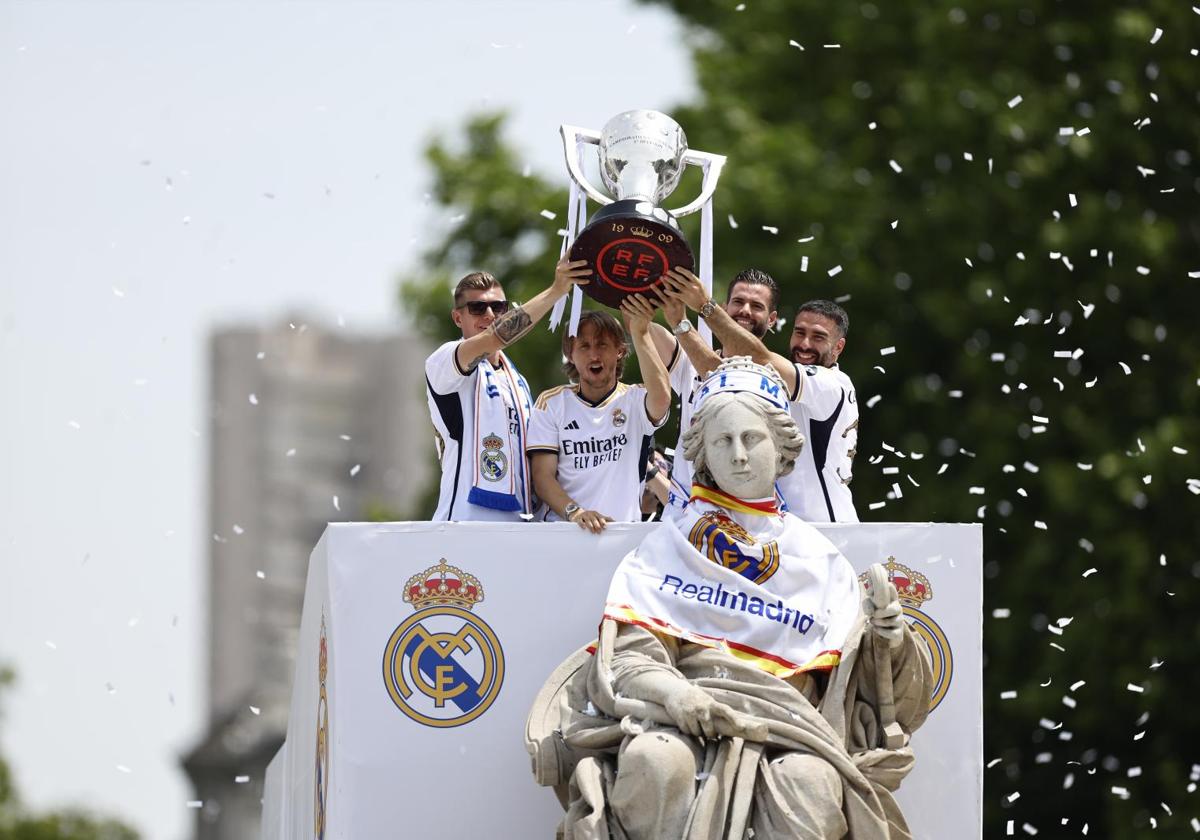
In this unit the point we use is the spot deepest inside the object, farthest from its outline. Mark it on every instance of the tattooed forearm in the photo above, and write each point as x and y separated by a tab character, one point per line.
512	325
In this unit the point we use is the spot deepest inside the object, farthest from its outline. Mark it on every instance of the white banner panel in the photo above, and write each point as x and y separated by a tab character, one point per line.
423	714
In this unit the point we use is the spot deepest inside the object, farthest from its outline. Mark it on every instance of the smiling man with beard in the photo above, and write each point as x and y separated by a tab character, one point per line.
823	401
588	441
751	303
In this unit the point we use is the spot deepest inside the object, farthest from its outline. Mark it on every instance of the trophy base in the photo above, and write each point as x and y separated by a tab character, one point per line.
630	244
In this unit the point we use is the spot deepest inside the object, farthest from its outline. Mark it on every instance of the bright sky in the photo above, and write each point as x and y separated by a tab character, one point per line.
166	167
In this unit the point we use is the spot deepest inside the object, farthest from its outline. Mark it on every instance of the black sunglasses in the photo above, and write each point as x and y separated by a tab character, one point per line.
478	307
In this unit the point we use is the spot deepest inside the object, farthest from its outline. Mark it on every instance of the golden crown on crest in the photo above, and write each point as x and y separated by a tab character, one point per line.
643	232
913	587
443	585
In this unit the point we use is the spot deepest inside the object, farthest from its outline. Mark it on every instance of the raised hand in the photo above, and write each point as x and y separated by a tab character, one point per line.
570	273
882	606
682	285
638	312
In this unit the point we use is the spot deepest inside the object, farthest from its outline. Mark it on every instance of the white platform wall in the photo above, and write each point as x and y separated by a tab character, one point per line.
386	774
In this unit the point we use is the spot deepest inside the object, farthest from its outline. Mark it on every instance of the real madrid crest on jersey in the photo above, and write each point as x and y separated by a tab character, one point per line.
914	590
493	463
728	544
443	666
618	417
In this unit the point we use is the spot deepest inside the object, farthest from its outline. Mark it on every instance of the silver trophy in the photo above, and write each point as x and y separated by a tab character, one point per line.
632	240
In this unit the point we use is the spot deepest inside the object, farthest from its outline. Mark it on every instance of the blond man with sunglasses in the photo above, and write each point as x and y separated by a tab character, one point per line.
480	403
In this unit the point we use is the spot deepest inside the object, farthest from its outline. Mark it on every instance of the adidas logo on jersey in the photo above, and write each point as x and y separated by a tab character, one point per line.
574	424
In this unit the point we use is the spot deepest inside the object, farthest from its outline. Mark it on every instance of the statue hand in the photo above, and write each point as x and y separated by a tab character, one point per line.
699	715
882	606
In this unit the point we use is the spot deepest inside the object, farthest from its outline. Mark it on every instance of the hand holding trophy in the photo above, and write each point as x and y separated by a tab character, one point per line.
632	241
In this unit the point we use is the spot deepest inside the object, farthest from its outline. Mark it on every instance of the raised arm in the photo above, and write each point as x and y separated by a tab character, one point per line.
703	358
519	320
638	313
686	287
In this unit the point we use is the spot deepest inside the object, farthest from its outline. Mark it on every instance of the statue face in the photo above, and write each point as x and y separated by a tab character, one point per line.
740	452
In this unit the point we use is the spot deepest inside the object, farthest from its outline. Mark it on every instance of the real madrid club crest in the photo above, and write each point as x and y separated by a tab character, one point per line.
320	817
914	590
443	666
618	417
493	463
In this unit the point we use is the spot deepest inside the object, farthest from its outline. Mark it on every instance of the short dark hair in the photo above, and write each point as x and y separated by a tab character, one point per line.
756	277
831	311
479	280
604	324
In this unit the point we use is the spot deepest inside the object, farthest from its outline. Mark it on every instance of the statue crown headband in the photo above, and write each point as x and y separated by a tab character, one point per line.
740	375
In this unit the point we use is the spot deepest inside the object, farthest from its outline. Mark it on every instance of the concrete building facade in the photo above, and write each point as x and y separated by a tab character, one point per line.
307	426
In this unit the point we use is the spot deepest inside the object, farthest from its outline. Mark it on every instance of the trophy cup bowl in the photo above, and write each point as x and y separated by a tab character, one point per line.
632	241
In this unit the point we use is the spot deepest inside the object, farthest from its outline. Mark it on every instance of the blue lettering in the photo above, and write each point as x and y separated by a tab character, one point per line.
668	580
689	591
768	386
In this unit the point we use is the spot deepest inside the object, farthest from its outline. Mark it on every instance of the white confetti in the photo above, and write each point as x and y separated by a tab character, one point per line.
804	263
1071	198
355	469
895	166
123	768
1008	695
770	229
240	780
887	351
255	710
1014	102
194	803
1125	368
253	399
548	214
895	223
1089	572
796	45
732	222
1001	612
835	271
1157	34
1037	523
260	574
874	401
336	504
1137	689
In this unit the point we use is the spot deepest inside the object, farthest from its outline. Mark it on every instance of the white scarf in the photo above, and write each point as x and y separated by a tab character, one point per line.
500	479
767	589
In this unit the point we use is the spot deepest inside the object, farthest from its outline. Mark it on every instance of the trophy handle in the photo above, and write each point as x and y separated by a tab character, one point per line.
572	136
715	164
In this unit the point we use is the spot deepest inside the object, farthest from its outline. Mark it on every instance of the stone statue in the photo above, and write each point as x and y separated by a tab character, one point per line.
742	685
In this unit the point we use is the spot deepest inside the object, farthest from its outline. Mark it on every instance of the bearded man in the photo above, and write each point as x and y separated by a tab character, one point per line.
740	682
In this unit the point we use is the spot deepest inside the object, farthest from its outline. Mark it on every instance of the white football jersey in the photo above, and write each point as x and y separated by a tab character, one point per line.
451	394
602	448
826	409
684	382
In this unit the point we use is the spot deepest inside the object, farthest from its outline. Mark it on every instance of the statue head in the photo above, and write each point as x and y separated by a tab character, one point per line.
742	437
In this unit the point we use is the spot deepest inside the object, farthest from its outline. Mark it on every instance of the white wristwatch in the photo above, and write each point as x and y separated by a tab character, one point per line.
683	326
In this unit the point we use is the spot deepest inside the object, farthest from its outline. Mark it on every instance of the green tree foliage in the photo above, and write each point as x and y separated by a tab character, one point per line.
17	824
1004	193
